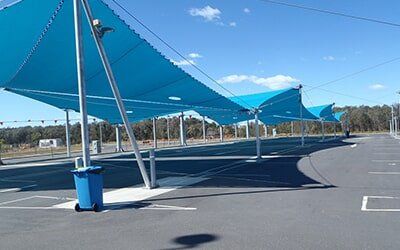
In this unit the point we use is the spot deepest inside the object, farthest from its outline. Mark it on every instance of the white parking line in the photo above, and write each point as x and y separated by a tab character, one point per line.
365	202
166	207
13	180
385	160
385	173
13	201
16	189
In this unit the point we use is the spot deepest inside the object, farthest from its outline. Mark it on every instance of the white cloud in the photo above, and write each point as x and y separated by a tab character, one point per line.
195	55
377	86
246	10
183	62
232	24
208	13
275	82
329	58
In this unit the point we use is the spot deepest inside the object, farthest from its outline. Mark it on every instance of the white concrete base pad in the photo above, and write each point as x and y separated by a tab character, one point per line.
131	195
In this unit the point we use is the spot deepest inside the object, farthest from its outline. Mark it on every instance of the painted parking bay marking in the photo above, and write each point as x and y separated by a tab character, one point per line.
365	200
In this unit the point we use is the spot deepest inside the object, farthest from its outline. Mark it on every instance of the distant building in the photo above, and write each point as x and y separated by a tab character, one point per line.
50	143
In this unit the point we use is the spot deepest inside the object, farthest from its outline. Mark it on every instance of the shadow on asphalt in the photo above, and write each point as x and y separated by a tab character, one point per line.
193	240
281	172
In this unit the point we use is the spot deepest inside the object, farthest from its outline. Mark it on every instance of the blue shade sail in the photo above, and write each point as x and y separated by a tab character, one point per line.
38	61
323	112
338	115
276	106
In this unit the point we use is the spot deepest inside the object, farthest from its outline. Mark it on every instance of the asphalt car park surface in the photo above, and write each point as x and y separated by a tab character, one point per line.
339	193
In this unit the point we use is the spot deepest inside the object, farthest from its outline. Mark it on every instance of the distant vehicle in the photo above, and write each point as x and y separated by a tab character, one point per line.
50	143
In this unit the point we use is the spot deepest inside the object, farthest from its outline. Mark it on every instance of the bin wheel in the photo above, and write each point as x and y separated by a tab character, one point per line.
77	208
96	207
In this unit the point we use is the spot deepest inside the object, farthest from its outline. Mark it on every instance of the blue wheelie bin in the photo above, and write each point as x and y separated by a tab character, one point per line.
89	188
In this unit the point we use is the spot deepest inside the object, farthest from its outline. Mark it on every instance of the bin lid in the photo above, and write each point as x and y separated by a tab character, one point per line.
92	169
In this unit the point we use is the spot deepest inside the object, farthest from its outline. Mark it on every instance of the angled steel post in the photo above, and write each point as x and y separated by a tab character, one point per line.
155	132
204	130
81	83
258	141
323	130
115	90
67	133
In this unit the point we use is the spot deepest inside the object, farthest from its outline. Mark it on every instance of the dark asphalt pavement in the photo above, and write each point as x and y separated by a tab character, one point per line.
303	198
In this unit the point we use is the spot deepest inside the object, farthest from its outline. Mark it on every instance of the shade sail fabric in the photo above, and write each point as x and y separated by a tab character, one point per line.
338	115
276	106
323	112
38	61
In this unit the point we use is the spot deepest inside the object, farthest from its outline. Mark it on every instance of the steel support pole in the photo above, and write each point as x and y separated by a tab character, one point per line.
323	130
265	131
390	128
204	130
221	133
168	133
115	90
155	132
101	135
67	133
334	130
118	146
153	174
301	115
392	120
81	83
258	141
394	127
292	128
182	129
236	131
247	130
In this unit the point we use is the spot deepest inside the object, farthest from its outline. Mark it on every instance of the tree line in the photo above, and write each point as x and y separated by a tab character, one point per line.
361	119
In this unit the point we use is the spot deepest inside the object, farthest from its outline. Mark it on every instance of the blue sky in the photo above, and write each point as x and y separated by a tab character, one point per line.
251	46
